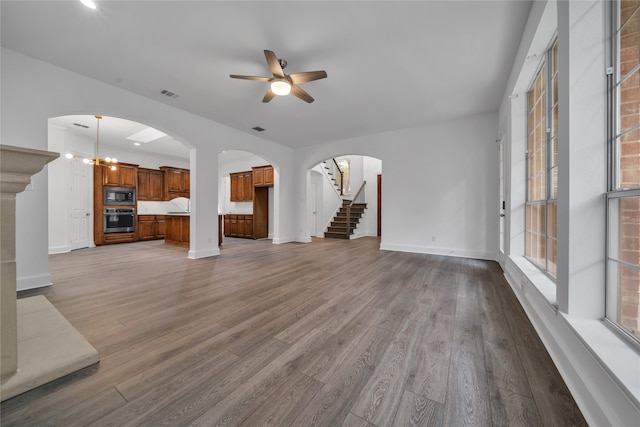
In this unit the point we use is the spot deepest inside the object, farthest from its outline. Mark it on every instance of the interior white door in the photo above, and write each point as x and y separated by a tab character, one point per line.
80	204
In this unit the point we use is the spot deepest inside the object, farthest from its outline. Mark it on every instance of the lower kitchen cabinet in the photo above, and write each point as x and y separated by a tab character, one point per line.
151	227
238	226
177	229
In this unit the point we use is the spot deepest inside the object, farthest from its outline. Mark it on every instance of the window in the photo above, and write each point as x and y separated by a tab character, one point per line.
623	251
542	166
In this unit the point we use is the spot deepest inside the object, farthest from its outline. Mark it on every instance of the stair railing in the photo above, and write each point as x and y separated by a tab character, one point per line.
350	205
341	176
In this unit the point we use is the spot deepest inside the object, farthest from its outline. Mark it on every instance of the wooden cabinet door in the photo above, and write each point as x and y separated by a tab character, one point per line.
175	181
227	226
268	176
248	227
241	186
186	184
146	227
111	177
233	226
128	175
258	177
247	187
143	184
156	185
160	227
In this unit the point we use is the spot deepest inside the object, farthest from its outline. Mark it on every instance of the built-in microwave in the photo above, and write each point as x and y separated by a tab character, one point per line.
119	196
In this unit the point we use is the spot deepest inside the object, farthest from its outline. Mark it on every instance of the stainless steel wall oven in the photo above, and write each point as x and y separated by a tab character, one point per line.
119	220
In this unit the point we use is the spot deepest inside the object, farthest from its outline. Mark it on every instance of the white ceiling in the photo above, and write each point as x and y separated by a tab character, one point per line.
390	64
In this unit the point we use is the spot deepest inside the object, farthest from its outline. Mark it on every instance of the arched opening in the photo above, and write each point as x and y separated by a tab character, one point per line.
72	190
341	181
248	189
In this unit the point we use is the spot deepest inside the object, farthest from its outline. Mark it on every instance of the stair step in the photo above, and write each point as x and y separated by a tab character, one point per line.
335	236
340	229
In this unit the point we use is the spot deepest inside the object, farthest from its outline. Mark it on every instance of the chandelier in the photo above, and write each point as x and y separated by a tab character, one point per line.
108	161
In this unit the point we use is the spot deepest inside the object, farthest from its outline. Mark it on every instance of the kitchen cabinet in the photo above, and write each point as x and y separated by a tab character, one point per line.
125	175
176	182
238	226
177	230
263	176
150	185
151	227
241	186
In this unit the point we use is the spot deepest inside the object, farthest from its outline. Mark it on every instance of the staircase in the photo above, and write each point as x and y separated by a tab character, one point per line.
338	228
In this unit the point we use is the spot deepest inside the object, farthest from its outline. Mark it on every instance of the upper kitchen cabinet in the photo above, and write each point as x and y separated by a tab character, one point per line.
263	176
150	184
125	175
241	186
176	182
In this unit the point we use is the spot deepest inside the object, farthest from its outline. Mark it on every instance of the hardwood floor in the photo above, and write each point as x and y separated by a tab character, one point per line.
332	333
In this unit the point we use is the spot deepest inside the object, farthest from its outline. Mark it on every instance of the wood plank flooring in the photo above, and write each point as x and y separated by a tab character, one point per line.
331	333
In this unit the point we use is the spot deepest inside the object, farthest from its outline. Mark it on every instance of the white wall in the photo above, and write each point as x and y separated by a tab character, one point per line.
34	91
439	180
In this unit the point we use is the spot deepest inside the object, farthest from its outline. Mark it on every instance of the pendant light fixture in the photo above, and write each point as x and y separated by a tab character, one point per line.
96	161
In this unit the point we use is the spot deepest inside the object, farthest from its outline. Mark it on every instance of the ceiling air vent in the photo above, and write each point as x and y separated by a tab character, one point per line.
258	129
169	93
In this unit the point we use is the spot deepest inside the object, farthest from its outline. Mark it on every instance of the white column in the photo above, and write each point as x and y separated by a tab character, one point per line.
17	165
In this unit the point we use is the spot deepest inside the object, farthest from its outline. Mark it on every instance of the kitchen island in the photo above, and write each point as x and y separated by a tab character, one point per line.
177	228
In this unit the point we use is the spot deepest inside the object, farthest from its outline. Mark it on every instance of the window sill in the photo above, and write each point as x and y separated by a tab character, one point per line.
534	276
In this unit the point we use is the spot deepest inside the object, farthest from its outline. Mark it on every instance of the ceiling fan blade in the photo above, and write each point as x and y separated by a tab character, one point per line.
268	96
274	64
261	79
307	76
300	93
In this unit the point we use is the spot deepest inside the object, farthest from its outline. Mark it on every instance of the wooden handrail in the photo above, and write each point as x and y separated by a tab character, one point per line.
341	176
350	205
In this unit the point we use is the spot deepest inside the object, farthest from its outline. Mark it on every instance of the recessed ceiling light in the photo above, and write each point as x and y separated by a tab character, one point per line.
136	143
146	135
89	3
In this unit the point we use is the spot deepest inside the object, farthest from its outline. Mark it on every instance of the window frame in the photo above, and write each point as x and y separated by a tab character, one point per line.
547	64
616	193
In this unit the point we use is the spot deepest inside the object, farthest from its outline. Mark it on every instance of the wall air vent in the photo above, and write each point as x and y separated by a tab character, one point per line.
169	93
81	125
258	129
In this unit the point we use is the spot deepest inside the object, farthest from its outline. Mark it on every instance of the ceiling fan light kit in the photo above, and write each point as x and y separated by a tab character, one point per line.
281	83
280	87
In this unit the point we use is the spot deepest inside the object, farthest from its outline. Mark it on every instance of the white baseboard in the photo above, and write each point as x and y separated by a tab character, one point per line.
33	282
437	251
59	249
203	254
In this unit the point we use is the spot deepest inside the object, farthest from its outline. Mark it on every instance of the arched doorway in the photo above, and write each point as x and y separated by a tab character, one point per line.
71	186
248	186
336	182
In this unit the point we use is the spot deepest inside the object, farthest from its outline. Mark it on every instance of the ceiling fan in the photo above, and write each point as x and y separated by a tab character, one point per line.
281	83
